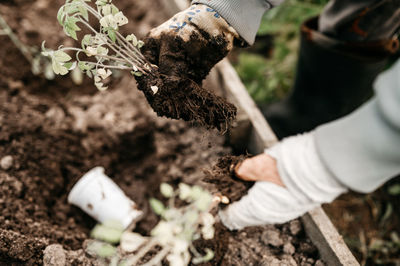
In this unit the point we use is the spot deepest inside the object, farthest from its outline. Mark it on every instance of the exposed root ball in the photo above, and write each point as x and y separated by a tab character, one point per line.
182	98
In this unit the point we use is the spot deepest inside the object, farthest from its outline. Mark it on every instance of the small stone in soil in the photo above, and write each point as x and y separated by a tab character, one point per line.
6	162
288	248
272	237
54	255
295	227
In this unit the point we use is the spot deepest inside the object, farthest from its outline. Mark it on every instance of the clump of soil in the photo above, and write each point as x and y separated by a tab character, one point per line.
182	98
224	179
182	66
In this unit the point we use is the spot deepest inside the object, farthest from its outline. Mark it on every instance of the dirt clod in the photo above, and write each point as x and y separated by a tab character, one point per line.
295	227
222	177
272	237
288	248
182	98
54	255
6	162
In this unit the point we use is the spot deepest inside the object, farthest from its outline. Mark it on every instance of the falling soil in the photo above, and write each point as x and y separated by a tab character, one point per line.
53	132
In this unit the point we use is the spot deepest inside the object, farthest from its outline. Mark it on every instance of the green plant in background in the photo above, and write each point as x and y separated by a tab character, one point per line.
269	76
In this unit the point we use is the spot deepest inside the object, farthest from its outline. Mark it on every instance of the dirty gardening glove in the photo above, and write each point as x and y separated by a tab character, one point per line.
190	43
185	48
303	183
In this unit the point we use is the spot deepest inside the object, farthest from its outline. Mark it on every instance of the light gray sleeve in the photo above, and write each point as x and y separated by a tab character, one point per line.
363	148
243	15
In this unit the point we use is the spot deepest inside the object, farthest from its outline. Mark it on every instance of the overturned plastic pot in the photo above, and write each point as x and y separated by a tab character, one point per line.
97	195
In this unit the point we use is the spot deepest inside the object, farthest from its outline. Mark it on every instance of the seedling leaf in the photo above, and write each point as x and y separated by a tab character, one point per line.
166	190
157	206
109	232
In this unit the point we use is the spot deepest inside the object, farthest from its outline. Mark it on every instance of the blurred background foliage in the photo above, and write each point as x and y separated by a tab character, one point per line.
267	68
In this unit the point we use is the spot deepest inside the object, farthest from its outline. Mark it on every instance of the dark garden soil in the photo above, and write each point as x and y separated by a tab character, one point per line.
52	132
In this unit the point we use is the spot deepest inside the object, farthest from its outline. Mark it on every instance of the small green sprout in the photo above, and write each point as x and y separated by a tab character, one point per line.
173	235
179	227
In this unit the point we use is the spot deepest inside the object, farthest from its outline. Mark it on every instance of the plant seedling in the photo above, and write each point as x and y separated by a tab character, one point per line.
104	48
172	238
179	227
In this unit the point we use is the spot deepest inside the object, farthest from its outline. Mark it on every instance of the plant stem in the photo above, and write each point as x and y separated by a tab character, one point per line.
107	66
135	258
22	47
159	257
136	51
107	42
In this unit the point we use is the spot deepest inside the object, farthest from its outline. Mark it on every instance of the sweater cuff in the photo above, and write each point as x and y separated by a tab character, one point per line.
243	15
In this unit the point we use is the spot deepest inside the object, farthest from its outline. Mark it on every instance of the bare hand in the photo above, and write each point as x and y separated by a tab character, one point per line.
259	168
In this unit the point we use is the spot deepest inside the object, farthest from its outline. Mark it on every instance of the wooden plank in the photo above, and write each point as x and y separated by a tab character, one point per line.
253	129
323	234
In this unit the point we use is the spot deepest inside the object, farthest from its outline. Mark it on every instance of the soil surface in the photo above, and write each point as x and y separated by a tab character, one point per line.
52	132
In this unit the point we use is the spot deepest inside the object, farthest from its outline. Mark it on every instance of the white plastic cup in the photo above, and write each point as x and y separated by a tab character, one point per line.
97	195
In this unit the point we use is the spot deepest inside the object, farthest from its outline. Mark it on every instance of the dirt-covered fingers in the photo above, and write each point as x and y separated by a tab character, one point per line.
259	168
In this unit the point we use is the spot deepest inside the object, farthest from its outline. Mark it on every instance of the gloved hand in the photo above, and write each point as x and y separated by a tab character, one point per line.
291	180
190	43
185	48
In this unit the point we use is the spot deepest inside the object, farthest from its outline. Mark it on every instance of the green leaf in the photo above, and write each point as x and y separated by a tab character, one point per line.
114	9
157	206
111	33
71	23
71	33
70	65
85	66
86	40
71	9
394	190
101	2
133	39
140	44
60	16
58	68
166	190
103	250
137	73
71	28
209	256
60	56
83	12
110	232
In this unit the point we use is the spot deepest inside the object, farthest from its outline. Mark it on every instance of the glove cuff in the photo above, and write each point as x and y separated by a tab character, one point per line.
243	15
